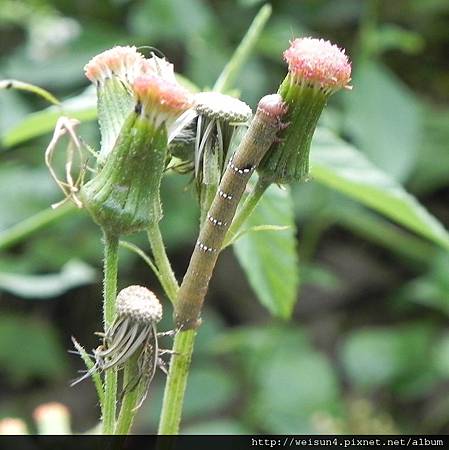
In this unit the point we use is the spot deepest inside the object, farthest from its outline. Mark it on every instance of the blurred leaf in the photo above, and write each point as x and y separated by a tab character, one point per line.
270	259
30	349
385	119
290	382
319	276
429	7
340	166
441	356
177	19
292	388
226	80
206	380
391	37
375	357
179	208
73	274
82	107
218	426
62	65
430	289
24	191
13	109
210	390
276	36
433	158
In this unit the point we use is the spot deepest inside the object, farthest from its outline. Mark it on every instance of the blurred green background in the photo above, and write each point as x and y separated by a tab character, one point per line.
367	347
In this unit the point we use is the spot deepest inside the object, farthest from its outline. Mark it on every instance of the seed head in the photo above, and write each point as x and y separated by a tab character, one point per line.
159	99
139	304
125	63
223	107
318	63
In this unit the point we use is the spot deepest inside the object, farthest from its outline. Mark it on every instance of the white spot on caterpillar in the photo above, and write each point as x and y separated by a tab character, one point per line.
205	248
244	171
224	195
215	221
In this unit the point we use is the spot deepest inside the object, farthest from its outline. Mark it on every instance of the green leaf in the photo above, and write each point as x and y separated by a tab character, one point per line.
441	356
175	20
374	357
220	426
83	107
290	381
384	119
270	259
206	379
30	349
24	190
243	51
340	166
73	274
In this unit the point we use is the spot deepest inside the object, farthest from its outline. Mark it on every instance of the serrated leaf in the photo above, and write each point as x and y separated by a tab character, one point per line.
340	166
73	274
270	259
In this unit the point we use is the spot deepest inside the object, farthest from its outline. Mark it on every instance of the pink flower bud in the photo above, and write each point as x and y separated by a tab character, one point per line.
159	99
125	63
318	63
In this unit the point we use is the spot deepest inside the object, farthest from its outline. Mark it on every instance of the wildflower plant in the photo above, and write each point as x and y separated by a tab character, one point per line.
147	122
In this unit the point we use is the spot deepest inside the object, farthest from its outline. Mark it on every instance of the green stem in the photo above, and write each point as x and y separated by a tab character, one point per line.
109	296
127	410
167	277
176	383
246	210
42	219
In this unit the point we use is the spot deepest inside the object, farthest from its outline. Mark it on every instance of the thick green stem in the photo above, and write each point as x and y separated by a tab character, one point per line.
176	383
109	296
167	277
246	210
128	407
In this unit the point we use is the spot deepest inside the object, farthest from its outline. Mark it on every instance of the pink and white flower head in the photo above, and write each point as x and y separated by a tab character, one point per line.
318	63
160	67
126	63
160	100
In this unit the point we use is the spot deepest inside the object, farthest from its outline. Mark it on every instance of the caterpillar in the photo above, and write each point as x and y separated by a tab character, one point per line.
261	134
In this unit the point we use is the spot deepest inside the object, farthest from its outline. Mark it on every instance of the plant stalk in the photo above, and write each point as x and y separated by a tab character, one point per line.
256	142
176	383
127	409
109	297
166	275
